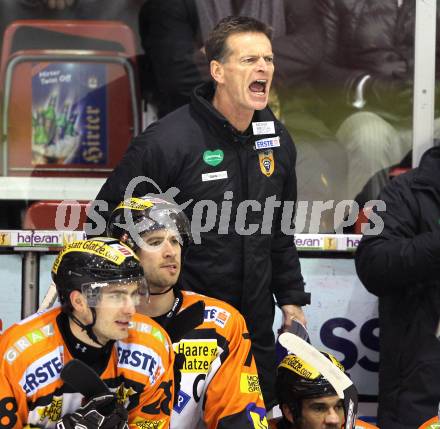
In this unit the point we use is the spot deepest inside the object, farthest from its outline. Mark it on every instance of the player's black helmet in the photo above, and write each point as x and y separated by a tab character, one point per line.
297	380
136	216
89	265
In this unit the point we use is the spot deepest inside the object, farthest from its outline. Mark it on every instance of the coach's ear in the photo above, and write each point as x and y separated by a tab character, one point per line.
217	71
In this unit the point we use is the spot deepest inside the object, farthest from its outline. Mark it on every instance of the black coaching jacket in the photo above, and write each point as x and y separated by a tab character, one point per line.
171	152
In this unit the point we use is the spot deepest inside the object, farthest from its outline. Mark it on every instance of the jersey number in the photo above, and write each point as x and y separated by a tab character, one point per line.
8	416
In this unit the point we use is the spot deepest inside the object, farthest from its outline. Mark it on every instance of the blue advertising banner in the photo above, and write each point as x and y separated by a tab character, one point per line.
69	114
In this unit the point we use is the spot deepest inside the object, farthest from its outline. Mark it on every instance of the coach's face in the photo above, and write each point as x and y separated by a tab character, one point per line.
245	75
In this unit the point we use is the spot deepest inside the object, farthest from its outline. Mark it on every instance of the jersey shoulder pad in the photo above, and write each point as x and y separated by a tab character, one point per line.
35	321
220	313
192	297
29	336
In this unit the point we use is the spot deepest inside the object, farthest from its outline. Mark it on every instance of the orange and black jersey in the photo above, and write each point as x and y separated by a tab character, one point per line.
32	394
219	385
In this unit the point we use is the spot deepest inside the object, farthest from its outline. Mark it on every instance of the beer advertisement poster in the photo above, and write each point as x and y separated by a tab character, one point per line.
69	114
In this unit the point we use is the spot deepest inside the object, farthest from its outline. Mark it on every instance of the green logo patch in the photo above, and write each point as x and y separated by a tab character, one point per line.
214	157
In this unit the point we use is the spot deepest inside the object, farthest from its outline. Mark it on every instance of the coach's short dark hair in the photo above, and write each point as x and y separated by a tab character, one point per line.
215	46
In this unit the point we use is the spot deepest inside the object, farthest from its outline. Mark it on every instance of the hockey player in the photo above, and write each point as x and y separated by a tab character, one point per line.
307	399
219	385
99	282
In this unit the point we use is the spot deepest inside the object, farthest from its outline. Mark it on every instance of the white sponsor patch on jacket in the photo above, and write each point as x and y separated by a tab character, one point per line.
217	315
141	359
267	143
42	372
265	127
216	175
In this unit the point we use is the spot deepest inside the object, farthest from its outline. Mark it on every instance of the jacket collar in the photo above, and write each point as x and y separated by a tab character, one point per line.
428	172
201	102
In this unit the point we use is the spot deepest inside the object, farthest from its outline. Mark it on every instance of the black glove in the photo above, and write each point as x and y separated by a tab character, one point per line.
390	93
102	412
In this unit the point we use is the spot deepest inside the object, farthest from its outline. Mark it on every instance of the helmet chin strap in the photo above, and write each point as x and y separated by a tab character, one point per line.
163	292
88	328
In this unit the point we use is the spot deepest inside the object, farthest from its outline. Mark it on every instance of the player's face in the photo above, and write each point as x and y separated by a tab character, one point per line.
160	259
246	73
115	310
322	413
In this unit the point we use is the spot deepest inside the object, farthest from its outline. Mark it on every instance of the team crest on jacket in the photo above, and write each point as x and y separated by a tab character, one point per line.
267	162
